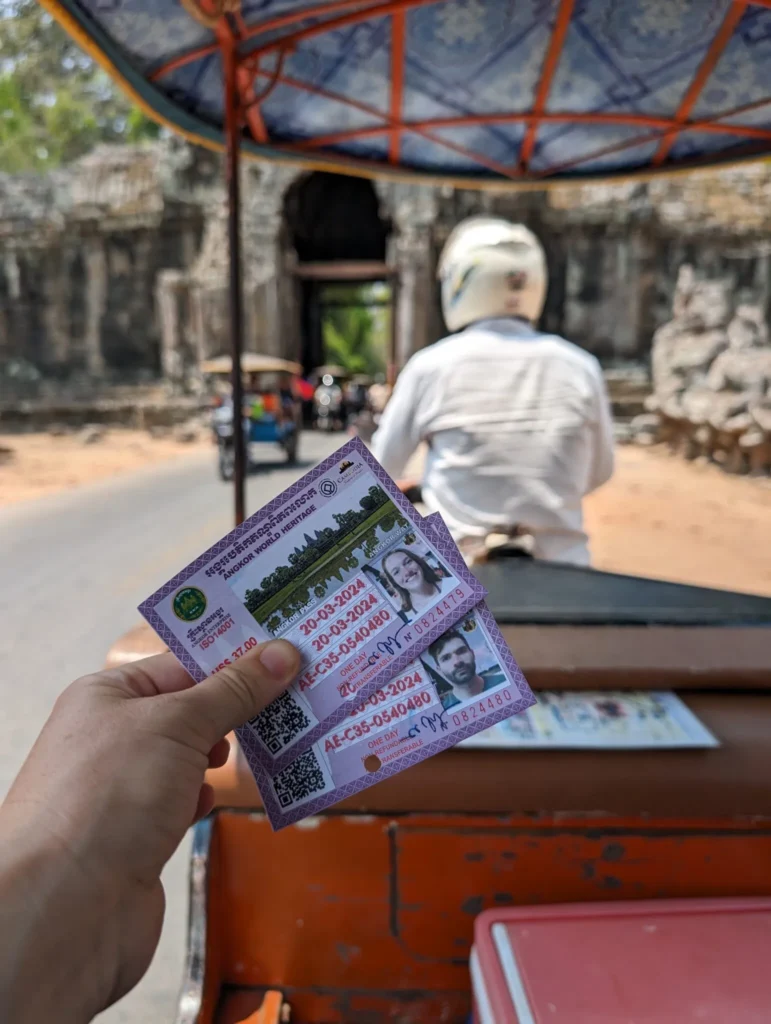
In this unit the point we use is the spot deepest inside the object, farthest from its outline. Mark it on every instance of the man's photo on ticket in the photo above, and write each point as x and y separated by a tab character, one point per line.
463	664
419	712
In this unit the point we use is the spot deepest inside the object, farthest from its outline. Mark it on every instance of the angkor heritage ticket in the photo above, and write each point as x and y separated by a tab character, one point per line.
465	682
342	566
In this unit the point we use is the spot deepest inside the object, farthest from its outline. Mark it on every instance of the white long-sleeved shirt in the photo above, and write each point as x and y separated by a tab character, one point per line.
518	427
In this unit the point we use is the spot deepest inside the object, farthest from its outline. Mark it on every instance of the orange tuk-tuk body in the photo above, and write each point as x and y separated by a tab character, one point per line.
366	913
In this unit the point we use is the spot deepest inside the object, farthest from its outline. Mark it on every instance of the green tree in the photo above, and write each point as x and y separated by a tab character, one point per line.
55	102
354	327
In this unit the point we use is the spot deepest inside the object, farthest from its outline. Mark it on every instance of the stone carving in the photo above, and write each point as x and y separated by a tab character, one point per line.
115	269
711	378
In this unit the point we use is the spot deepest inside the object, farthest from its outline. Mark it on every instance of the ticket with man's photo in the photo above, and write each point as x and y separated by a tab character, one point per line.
342	566
463	683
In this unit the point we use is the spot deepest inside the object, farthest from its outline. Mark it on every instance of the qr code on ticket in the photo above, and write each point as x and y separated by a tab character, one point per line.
302	779
286	722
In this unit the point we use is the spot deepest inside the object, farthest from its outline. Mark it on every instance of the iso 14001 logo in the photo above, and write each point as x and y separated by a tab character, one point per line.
189	604
328	488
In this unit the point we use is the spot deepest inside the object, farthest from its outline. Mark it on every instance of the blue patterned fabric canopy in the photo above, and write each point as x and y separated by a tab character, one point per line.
504	91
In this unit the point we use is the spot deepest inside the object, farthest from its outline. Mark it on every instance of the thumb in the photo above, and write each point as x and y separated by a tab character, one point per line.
238	692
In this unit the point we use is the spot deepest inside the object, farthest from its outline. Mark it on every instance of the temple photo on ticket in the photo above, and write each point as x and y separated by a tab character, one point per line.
412	575
463	664
310	560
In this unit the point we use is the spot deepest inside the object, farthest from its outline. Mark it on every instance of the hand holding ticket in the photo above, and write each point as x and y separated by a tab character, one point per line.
343	567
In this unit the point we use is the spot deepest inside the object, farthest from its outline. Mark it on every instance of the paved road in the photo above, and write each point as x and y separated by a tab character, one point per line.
73	568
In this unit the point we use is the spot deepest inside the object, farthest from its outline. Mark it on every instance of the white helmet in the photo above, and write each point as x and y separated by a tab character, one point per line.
491	268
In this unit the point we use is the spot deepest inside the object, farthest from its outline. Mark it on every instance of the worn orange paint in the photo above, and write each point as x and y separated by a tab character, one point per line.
714	53
551	60
355	915
398	33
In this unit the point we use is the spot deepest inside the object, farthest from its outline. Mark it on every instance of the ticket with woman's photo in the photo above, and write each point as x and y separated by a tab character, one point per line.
463	683
342	566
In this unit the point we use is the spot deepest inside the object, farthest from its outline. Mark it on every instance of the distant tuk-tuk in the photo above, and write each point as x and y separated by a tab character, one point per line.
271	409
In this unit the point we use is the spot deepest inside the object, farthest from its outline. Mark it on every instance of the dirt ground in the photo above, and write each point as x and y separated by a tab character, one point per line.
41	464
665	518
658	517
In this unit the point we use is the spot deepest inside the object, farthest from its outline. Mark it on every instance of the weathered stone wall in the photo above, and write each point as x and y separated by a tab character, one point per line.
614	251
117	266
80	254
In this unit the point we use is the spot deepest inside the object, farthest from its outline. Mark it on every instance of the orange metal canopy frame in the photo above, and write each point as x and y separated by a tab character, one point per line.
472	91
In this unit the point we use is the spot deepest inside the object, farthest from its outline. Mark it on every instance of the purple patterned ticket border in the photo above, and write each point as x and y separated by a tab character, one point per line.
454	560
280	819
475	591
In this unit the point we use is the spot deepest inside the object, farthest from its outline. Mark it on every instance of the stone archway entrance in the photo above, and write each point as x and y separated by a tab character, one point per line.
336	235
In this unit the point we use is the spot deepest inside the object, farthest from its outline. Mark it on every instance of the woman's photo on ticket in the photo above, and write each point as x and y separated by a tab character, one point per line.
463	664
413	577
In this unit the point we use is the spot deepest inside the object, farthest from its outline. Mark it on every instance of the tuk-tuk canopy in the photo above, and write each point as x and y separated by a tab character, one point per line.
251	362
466	91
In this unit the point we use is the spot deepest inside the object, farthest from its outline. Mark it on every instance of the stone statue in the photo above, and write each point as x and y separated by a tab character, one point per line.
711	368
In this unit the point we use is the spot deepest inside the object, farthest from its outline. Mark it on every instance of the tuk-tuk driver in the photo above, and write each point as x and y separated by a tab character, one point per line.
517	422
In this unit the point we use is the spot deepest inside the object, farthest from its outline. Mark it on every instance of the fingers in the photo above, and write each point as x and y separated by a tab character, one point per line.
238	692
218	754
149	677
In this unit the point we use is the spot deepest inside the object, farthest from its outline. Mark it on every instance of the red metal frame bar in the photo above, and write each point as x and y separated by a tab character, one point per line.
398	33
336	97
275	78
661	123
643	120
360	10
295	83
379	11
228	41
291	18
248	32
551	60
707	66
421	126
647	137
614	147
182	59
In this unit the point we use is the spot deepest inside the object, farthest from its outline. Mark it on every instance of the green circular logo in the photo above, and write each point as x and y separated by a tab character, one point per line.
189	604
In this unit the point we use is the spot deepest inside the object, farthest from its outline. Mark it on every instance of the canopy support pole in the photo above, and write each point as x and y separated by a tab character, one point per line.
393	367
235	297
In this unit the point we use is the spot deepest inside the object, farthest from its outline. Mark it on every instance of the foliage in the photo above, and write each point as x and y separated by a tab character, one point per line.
55	103
355	328
280	591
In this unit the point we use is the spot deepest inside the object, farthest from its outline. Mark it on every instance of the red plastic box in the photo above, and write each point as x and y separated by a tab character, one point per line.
647	962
